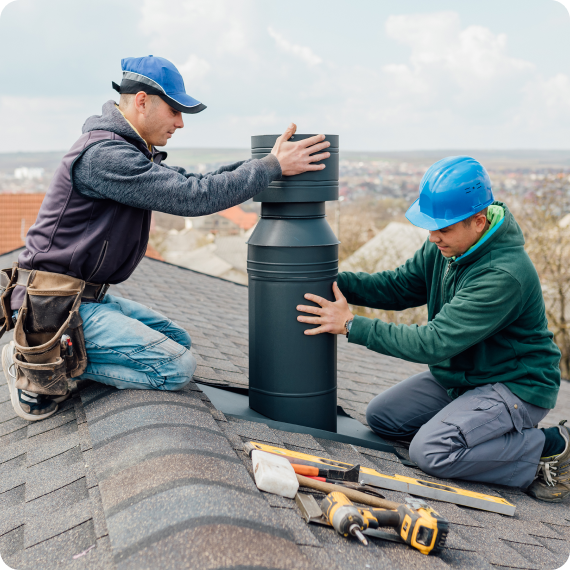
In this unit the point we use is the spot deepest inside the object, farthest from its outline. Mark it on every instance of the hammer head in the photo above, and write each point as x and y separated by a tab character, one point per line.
351	475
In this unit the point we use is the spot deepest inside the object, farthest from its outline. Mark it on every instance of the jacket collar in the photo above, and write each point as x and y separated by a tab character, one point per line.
507	234
111	119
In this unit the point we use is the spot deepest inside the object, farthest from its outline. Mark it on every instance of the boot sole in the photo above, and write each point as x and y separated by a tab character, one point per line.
554	500
60	399
549	500
14	392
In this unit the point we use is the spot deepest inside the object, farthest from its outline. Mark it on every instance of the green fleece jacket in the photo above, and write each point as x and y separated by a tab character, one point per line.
486	314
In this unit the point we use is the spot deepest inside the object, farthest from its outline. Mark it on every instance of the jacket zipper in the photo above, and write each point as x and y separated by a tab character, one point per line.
443	281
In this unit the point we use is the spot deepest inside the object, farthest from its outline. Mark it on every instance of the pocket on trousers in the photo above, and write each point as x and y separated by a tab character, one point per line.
482	421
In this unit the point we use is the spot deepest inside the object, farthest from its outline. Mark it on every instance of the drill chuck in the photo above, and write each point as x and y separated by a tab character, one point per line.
345	518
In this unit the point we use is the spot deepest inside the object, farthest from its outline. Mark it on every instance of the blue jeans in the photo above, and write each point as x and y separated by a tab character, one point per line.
131	346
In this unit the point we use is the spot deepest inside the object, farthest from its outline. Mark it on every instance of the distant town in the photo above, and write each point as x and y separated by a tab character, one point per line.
375	189
390	175
369	218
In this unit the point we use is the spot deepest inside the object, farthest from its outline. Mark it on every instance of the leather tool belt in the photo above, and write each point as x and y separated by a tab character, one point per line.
48	334
91	292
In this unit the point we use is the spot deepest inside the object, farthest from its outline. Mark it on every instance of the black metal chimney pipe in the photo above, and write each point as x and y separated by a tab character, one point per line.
293	251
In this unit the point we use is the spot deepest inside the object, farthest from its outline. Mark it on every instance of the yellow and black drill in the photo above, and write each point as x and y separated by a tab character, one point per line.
416	524
345	517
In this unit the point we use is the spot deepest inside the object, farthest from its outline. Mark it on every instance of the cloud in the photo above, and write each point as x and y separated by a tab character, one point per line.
25	128
304	53
194	69
437	39
544	109
448	63
193	24
458	86
426	80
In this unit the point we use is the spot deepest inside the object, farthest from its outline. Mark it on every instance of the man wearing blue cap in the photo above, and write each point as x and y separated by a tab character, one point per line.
493	366
94	226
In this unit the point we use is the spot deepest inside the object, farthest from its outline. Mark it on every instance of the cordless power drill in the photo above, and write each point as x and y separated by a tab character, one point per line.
416	524
344	516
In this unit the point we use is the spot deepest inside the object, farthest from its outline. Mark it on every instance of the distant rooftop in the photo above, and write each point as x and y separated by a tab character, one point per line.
245	220
18	212
389	248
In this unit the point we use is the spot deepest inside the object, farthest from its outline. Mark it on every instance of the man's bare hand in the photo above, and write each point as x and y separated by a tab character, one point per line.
330	316
294	156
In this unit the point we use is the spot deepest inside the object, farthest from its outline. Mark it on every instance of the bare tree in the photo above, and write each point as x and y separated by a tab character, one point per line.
543	217
362	218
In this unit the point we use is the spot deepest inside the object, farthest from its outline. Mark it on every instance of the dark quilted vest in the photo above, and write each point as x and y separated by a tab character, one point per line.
100	241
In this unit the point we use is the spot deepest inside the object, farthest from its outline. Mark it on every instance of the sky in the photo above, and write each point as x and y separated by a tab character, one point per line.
383	74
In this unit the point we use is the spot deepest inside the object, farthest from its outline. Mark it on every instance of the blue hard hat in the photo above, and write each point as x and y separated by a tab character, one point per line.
157	76
451	190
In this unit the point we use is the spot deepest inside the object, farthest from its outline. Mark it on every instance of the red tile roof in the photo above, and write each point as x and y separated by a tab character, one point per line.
245	220
153	253
18	212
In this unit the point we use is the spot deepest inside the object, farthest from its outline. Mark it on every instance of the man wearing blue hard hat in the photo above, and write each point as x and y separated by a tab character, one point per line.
493	366
93	229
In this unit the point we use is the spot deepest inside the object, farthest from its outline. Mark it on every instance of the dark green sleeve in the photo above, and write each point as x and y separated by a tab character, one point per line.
488	303
389	290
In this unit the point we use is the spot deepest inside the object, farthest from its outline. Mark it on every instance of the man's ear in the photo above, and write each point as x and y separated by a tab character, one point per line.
480	221
141	101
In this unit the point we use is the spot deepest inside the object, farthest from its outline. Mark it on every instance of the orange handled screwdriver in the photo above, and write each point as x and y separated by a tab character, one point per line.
334	475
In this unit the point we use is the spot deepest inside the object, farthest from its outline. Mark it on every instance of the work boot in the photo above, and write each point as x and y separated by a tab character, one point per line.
27	405
553	476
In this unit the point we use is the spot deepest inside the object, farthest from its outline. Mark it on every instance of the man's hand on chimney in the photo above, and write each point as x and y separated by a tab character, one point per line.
331	316
298	157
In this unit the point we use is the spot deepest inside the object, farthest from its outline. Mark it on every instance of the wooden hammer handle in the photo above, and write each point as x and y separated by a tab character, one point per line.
356	496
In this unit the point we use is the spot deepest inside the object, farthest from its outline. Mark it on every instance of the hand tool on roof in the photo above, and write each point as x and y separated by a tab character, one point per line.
348	485
417	524
347	478
274	474
409	485
357	496
351	474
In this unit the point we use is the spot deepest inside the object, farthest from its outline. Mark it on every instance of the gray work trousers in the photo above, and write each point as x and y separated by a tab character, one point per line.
485	435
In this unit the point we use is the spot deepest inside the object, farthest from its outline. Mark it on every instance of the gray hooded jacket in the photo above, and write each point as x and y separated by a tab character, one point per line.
94	222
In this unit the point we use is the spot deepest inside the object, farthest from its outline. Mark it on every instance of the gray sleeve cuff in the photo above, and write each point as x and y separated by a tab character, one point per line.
273	166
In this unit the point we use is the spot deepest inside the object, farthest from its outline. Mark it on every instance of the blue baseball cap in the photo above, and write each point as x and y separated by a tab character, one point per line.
157	76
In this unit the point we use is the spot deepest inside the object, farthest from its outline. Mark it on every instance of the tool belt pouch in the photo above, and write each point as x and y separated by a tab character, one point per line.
50	310
7	285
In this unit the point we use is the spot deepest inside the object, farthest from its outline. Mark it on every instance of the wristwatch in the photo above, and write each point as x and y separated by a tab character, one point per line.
348	326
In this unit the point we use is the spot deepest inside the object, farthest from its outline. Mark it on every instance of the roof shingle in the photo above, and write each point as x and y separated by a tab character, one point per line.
153	479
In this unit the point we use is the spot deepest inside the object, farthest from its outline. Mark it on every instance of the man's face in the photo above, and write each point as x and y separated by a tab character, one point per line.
456	239
160	122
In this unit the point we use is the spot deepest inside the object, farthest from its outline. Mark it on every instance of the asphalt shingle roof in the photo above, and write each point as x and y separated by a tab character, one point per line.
151	479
